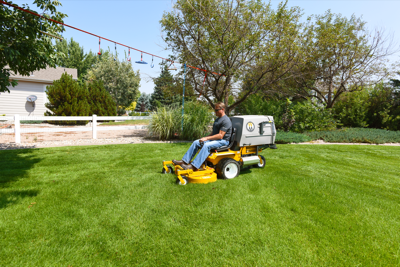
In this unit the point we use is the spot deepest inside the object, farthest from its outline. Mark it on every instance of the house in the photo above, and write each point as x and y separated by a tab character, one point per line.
19	100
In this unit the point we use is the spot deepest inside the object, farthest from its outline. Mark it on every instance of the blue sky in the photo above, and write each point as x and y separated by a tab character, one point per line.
136	23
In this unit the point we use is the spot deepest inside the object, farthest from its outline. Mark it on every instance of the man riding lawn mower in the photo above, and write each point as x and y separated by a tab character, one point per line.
233	144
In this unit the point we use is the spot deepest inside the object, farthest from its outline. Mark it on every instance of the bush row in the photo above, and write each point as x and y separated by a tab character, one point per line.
291	116
290	137
346	135
376	107
357	135
68	97
165	124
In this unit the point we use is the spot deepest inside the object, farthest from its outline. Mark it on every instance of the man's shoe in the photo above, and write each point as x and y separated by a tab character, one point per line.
189	167
178	162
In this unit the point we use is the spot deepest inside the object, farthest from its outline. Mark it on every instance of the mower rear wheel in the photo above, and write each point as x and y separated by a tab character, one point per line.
170	170
228	168
260	164
184	179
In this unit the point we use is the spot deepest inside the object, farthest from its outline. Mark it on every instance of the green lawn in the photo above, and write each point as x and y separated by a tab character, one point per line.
321	205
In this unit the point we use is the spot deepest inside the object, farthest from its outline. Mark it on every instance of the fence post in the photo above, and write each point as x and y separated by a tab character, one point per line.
94	126
17	130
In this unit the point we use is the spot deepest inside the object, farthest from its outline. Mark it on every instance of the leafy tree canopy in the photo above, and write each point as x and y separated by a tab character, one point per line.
73	56
23	47
338	55
233	38
118	77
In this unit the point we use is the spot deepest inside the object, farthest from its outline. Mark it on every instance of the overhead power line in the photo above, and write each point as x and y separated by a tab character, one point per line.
72	27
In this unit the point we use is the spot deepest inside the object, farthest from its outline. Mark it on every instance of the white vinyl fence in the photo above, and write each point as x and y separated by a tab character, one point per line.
12	124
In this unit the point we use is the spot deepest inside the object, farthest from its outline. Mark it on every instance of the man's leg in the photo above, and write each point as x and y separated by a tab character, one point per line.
205	151
191	152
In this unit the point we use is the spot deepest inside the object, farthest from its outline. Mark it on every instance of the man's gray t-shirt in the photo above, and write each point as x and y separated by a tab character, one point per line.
223	124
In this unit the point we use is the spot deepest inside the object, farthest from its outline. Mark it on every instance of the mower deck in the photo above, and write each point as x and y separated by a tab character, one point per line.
204	176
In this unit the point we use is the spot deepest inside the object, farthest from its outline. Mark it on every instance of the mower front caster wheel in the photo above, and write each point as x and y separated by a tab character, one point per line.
170	170
260	164
228	168
184	179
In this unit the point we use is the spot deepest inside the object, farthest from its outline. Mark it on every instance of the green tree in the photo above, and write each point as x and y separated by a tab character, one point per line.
384	108
143	103
118	77
67	98
73	56
161	83
351	108
233	38
100	101
339	56
23	47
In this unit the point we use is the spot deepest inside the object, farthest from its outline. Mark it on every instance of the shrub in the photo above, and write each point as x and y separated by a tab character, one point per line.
100	101
311	117
31	122
384	108
131	107
357	135
67	98
299	116
290	137
257	105
351	109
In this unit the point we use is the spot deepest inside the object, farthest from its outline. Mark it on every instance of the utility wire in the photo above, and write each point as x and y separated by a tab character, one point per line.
61	23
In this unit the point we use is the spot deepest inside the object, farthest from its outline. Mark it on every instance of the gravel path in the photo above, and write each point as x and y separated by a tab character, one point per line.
40	140
83	142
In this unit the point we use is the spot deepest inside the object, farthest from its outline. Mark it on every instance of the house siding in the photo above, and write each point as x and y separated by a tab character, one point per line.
15	102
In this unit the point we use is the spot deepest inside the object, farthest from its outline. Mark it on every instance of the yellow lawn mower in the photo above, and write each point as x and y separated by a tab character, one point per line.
251	134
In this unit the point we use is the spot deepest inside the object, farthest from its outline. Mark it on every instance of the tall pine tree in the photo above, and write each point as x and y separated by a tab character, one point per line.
75	57
162	82
67	98
100	101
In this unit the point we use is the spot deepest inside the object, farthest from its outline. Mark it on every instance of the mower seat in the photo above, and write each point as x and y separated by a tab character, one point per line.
231	141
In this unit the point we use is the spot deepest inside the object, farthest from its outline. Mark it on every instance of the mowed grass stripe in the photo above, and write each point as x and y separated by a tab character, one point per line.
111	206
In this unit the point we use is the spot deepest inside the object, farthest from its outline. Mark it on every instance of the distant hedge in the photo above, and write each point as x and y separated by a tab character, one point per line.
347	135
290	137
357	135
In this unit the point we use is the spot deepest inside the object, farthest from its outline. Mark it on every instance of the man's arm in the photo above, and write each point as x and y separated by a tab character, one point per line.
217	136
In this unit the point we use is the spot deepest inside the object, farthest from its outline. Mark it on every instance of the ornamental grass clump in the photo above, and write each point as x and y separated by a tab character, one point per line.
164	123
197	118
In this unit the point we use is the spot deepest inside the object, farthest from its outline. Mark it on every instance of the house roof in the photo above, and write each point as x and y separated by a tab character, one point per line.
46	75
